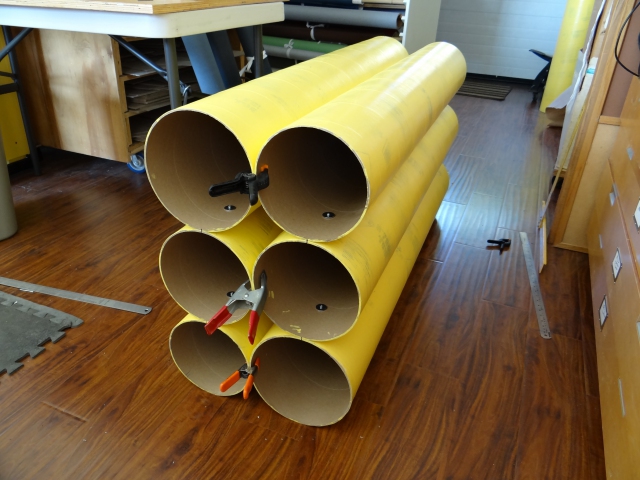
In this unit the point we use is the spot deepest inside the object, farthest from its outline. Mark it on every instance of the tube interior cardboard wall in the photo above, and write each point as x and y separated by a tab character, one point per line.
304	380
329	180
192	151
302	277
211	140
343	273
339	157
199	270
208	360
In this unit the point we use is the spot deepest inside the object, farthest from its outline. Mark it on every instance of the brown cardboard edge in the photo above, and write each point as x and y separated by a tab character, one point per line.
179	163
294	293
205	360
315	398
199	270
312	171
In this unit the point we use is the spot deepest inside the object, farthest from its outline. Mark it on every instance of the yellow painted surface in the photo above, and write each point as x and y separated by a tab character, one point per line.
353	351
571	37
238	334
256	110
384	118
15	139
249	238
366	251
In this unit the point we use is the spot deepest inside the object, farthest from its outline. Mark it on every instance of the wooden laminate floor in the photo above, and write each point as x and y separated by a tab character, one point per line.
462	385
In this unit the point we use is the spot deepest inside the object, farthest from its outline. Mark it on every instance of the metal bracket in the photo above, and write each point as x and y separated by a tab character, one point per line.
11	44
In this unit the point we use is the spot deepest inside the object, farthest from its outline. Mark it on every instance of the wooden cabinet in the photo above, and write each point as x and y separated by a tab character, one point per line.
77	86
614	248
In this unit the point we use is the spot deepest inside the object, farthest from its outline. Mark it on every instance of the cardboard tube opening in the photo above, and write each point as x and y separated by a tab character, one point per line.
199	271
302	382
186	153
311	294
318	189
206	360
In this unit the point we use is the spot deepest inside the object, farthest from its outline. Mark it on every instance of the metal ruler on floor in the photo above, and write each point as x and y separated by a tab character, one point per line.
78	297
538	304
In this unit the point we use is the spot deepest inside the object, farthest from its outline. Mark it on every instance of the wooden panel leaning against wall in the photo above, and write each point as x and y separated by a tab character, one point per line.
74	92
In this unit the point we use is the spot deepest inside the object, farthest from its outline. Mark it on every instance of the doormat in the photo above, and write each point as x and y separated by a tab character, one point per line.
25	326
475	88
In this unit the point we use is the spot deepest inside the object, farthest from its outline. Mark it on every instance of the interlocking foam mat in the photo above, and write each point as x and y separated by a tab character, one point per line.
25	326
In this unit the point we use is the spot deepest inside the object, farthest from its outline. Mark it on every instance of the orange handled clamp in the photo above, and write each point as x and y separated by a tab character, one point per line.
243	372
242	297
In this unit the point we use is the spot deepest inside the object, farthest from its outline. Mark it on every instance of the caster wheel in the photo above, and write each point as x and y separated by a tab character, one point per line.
136	164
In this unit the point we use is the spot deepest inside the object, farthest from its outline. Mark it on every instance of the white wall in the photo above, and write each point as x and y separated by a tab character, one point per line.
495	35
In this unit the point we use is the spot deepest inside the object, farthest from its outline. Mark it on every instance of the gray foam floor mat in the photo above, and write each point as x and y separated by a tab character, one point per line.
25	326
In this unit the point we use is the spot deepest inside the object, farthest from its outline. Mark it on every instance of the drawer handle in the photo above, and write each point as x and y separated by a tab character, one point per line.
636	216
600	239
603	312
624	411
616	265
630	153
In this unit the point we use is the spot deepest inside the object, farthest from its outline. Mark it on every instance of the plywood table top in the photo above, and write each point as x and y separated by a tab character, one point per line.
151	7
140	18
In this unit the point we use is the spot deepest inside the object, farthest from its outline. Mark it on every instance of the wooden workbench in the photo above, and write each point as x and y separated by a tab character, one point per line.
72	72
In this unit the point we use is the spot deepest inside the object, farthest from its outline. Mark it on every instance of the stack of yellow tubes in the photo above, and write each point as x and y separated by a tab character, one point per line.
356	179
207	142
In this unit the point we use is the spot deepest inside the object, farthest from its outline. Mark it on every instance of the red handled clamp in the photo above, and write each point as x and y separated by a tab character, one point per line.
243	372
242	297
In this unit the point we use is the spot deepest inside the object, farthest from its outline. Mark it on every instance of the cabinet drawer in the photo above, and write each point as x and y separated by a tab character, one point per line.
618	349
622	156
615	426
611	228
629	191
624	308
630	122
596	265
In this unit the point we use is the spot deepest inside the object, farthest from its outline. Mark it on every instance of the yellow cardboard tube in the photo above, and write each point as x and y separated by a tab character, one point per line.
314	383
213	139
208	360
317	290
337	159
571	37
200	268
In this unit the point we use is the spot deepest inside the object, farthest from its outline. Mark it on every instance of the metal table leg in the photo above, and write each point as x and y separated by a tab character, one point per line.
171	58
13	60
257	48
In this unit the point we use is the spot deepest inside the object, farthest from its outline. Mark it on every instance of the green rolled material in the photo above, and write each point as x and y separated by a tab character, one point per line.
301	44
